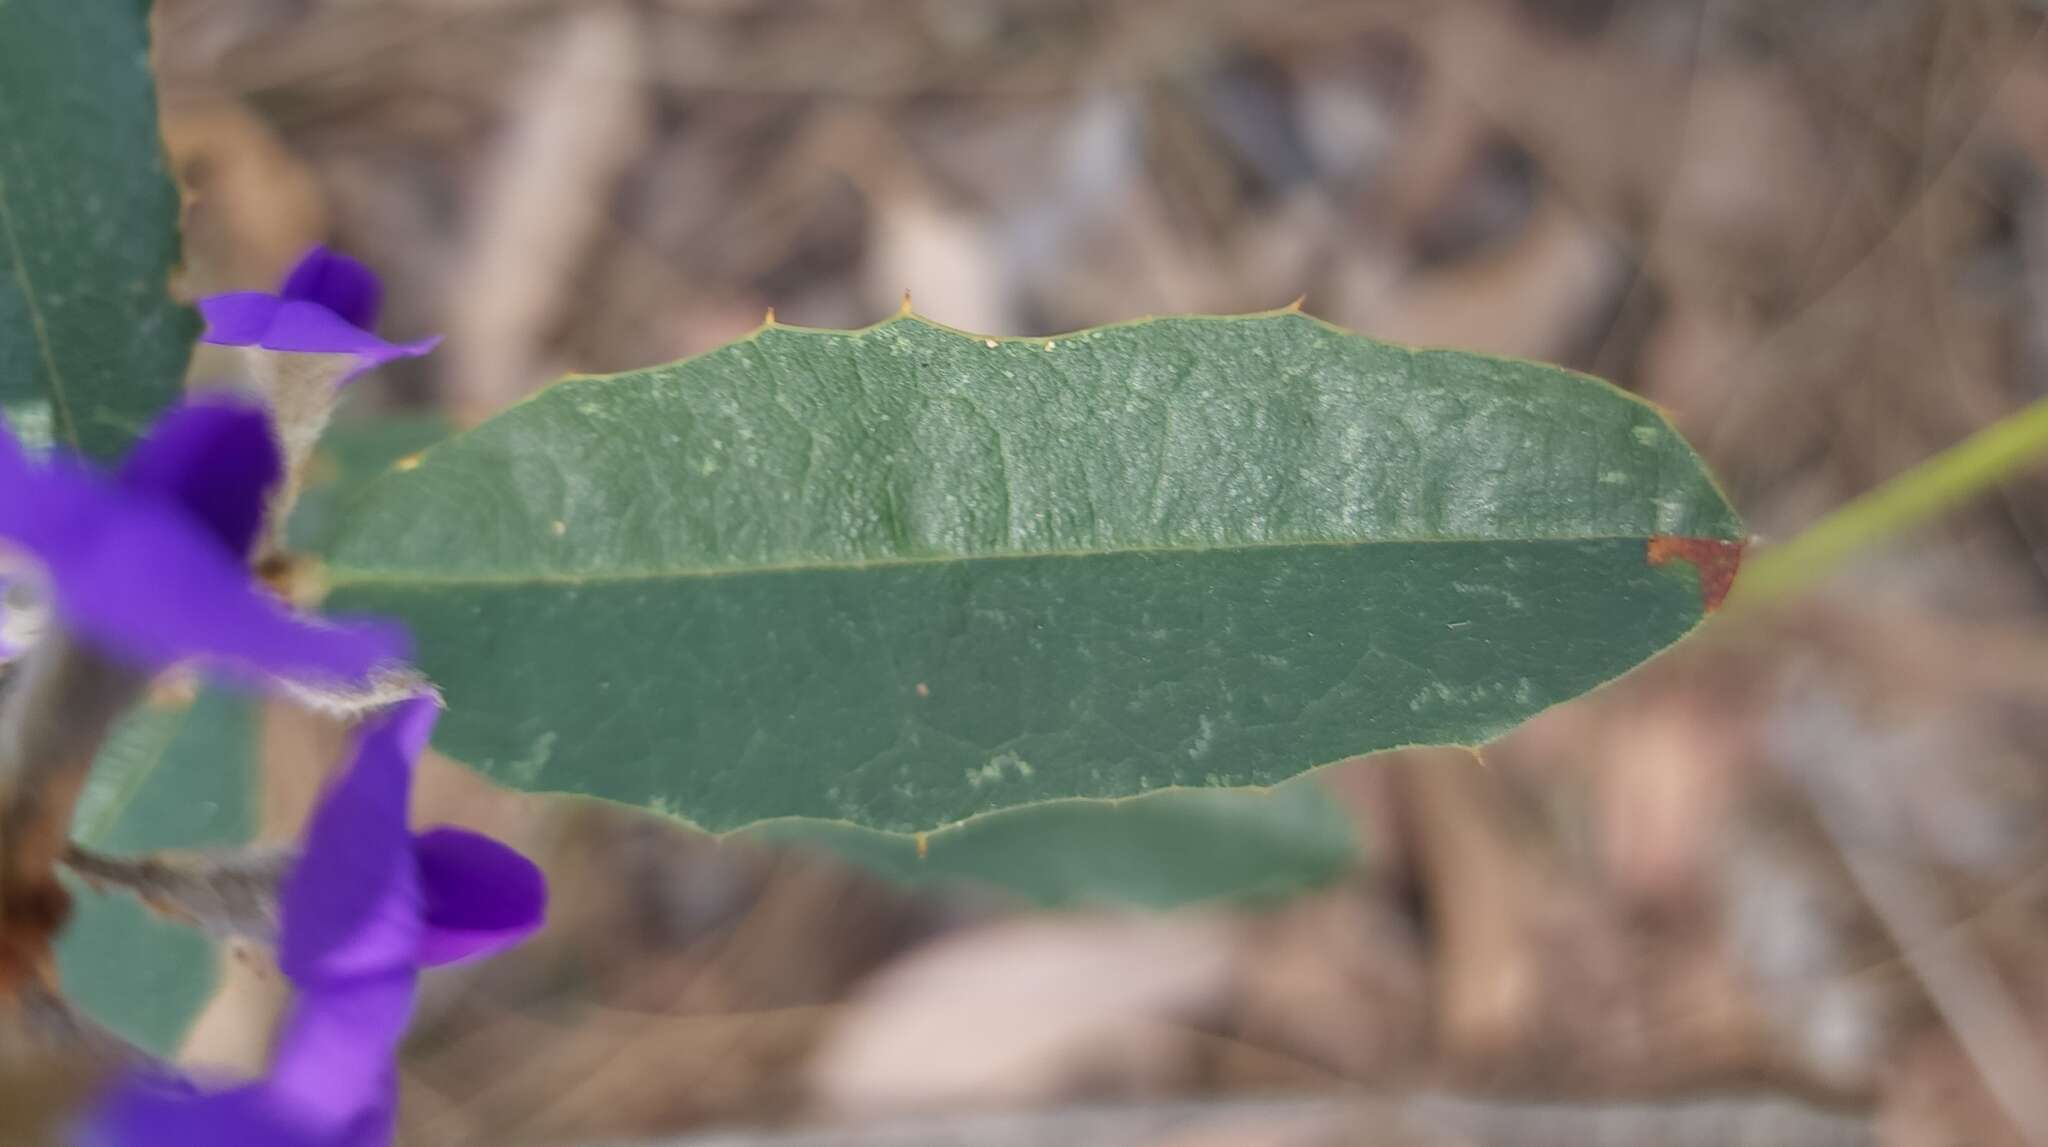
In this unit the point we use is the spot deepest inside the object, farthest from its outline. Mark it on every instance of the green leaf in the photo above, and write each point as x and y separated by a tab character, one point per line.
174	774
91	345
351	452
903	576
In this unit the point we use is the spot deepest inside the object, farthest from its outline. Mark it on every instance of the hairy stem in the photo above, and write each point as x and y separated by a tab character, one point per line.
301	391
226	893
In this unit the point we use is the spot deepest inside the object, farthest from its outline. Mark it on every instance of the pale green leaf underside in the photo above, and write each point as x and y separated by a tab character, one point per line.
903	576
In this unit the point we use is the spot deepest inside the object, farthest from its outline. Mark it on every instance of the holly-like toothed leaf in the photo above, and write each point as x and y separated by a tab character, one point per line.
905	576
91	345
175	774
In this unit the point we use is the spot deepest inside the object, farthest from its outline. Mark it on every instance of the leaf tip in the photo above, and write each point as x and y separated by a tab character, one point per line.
768	320
1294	308
1715	559
904	311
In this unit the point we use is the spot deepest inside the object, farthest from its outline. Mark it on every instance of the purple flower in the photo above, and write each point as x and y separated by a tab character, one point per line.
327	305
151	567
367	906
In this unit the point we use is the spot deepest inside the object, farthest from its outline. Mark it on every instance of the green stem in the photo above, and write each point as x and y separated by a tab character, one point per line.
1927	491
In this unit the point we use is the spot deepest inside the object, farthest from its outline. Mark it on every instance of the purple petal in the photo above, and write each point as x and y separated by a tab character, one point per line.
140	1112
239	318
308	328
353	906
145	1111
141	582
140	579
338	283
215	456
334	1069
327	305
481	896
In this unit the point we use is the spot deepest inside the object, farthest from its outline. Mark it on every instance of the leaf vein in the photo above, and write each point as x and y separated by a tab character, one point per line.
341	576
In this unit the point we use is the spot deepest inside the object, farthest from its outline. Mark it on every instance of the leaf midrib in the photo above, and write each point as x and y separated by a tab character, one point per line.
339	576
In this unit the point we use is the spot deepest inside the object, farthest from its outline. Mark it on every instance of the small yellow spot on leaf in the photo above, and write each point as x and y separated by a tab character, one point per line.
409	462
1048	344
558	527
923	690
989	343
924	846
